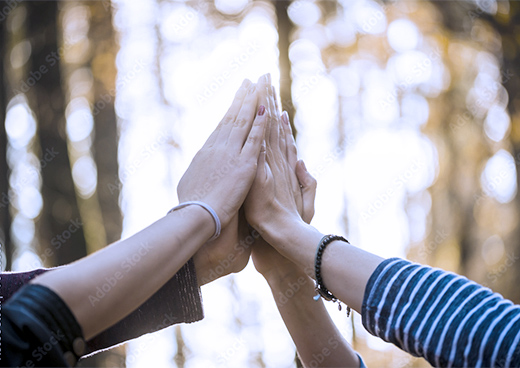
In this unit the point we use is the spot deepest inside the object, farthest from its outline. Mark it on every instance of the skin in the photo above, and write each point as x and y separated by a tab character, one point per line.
160	250
272	209
318	341
234	243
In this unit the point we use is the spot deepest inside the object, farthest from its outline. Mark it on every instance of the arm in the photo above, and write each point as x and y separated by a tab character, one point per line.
318	341
142	263
440	316
176	301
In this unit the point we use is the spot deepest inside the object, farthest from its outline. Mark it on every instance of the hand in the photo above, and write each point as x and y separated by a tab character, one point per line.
222	172
271	264
275	196
230	252
227	254
267	260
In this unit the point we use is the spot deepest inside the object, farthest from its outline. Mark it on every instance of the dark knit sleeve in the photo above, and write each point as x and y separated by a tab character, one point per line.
441	316
178	301
39	330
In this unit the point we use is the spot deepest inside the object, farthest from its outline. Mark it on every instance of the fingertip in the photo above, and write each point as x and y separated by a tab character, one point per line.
246	83
304	177
302	164
285	118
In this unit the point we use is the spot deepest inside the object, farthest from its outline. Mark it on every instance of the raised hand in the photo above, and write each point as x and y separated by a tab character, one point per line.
267	260
222	172
230	252
275	196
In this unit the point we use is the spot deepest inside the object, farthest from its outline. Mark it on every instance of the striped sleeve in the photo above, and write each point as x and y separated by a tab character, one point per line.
440	316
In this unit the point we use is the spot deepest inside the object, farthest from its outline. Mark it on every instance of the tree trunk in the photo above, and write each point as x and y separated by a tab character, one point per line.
285	29
106	136
5	218
60	226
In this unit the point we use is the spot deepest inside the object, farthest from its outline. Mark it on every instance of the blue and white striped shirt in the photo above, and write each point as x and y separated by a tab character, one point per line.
441	316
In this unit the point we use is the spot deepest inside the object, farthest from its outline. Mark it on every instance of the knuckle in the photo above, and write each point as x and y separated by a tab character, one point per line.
252	139
240	122
227	120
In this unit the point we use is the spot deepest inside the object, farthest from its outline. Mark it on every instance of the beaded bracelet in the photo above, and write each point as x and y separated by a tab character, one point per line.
320	287
207	208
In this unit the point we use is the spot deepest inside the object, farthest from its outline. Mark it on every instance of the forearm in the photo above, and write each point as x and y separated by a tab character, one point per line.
130	270
345	269
318	341
443	317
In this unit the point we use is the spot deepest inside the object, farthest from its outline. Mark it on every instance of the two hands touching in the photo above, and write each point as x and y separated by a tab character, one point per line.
249	173
269	189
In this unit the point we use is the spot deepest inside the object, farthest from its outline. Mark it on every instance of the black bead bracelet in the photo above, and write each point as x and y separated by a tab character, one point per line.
320	287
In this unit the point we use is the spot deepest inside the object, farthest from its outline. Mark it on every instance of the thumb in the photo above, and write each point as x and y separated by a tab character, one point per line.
308	187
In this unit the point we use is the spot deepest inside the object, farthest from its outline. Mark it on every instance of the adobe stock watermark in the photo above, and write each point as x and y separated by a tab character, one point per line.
413	77
124	269
294	287
437	239
489	94
58	241
51	60
375	206
319	357
42	350
216	175
376	16
7	8
223	266
238	61
168	320
237	345
329	159
493	276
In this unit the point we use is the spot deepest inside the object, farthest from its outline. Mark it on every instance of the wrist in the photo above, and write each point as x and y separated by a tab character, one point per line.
209	211
295	287
294	239
201	221
281	277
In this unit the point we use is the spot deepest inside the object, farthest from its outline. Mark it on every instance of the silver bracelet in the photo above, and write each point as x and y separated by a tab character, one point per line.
207	208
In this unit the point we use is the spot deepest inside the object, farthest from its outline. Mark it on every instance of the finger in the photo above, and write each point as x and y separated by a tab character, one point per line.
255	139
274	123
276	106
263	83
234	109
308	184
282	141
292	152
242	126
262	163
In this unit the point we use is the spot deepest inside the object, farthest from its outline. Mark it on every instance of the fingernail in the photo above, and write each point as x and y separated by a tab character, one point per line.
303	165
261	110
251	89
285	117
246	83
267	78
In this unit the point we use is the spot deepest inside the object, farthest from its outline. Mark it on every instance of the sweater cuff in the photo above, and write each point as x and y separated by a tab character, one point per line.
39	316
178	301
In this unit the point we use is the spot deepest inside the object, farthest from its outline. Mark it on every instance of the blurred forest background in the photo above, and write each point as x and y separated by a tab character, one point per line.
407	112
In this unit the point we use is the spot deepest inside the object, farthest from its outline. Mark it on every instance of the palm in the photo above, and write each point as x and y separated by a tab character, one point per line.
228	253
